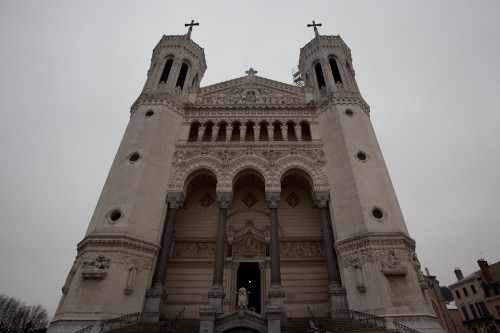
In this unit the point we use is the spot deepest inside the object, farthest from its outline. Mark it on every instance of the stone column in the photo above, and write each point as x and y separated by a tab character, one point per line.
243	132
216	292
215	132
153	305
336	292
270	132
201	132
256	132
229	132
284	132
298	132
276	292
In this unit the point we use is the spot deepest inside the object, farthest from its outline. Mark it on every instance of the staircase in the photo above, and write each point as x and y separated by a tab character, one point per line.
290	325
325	324
181	326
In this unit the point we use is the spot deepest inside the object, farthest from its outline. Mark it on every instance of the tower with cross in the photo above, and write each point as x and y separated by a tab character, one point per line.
248	184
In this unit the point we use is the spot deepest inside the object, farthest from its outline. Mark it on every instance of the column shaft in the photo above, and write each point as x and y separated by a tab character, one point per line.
166	244
220	248
274	248
331	259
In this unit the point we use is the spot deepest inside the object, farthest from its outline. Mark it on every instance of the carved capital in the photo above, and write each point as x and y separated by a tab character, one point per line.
224	199
321	198
272	199
175	199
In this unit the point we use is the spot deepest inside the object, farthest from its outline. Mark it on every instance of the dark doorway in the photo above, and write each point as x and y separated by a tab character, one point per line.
249	278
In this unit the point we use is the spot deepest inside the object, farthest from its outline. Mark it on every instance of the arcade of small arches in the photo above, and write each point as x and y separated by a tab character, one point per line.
250	131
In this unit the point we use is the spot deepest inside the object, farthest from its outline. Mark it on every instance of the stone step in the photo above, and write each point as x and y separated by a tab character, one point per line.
290	325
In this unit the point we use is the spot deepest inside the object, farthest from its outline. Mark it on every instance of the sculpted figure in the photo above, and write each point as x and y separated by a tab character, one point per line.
242	298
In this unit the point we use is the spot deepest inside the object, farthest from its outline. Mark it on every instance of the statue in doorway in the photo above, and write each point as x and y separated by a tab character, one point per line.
242	298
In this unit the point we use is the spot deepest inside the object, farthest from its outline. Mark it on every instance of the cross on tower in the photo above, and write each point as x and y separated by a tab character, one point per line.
314	24
190	25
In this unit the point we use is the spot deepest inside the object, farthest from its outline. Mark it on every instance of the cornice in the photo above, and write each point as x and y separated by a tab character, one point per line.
342	98
111	242
167	99
221	86
375	240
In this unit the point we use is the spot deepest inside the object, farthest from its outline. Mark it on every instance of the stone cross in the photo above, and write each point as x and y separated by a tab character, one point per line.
190	25
314	24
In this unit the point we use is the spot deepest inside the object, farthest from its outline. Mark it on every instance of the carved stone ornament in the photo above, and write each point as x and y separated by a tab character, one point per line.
96	269
272	199
175	199
293	199
198	250
249	200
224	199
308	249
392	266
206	200
321	198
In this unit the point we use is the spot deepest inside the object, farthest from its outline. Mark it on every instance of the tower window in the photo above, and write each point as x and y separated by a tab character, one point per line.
473	288
465	291
182	76
319	76
166	70
335	71
134	157
115	215
377	213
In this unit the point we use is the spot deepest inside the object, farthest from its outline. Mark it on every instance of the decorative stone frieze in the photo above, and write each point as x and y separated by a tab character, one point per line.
200	250
301	249
96	269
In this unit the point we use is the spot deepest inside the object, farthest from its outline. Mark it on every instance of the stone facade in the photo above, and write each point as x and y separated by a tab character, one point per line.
248	183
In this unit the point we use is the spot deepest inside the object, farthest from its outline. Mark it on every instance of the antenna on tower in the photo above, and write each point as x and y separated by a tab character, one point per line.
297	77
482	255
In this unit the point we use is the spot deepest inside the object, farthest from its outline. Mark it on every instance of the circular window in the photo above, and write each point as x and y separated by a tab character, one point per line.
149	113
361	156
115	215
377	213
134	157
349	113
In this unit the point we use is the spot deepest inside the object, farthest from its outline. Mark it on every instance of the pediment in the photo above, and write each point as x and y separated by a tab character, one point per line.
250	90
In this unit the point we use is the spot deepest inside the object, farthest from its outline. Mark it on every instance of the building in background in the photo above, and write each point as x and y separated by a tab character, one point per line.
246	202
477	298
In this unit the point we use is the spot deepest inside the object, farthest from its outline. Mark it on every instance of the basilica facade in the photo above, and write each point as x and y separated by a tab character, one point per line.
250	183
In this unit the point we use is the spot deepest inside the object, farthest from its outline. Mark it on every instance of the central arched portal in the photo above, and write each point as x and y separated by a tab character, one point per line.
248	277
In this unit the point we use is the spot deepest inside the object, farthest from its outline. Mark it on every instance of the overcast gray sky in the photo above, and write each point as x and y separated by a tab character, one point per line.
70	70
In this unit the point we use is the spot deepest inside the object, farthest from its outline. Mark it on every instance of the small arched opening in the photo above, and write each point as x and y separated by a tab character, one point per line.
207	136
335	71
221	136
305	131
193	131
291	131
182	76
235	136
277	136
249	135
166	70
319	76
263	135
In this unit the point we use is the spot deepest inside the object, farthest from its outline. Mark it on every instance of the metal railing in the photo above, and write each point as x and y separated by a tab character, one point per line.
86	329
119	322
314	324
404	329
368	318
169	326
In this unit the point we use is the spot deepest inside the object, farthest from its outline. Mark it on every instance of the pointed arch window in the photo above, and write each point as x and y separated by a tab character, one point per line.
319	75
335	71
166	70
182	76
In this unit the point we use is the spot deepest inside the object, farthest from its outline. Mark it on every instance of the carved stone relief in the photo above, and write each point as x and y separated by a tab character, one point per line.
302	249
206	200
293	199
194	250
96	269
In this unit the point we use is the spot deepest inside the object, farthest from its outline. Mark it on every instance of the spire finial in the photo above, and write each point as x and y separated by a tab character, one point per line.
314	24
190	25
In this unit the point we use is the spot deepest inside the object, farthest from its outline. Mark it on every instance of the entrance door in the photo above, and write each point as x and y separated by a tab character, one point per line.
249	278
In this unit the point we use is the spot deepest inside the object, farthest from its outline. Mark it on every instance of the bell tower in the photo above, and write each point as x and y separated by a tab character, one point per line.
376	256
117	257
